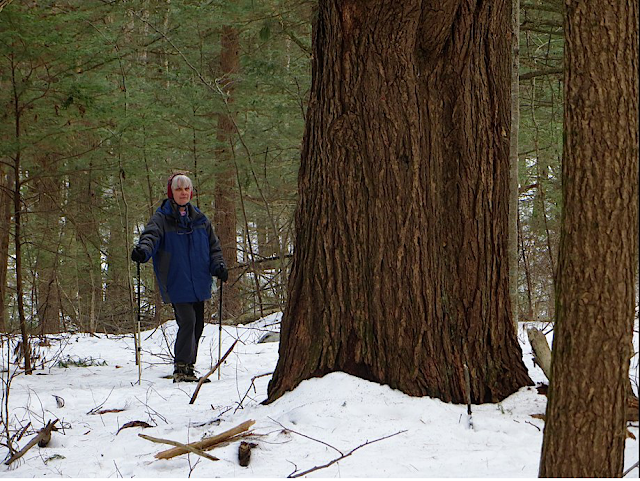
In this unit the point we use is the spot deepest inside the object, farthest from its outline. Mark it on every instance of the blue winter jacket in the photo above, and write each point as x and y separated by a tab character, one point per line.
185	251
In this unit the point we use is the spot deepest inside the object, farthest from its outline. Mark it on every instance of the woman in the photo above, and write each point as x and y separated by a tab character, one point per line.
186	254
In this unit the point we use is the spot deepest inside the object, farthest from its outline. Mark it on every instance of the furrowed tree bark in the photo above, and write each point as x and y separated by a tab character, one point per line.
513	159
400	272
585	420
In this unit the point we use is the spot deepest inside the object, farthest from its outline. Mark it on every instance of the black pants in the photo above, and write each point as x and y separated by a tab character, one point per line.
190	319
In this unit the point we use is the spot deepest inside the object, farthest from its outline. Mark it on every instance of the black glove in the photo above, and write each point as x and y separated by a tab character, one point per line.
221	273
139	255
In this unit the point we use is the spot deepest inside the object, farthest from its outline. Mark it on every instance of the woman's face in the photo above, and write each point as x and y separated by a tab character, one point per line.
181	194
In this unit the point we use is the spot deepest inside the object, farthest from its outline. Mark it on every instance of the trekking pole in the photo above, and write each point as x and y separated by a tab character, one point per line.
138	335
220	332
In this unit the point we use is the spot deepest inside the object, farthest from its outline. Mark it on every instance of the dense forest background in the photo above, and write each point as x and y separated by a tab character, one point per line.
103	100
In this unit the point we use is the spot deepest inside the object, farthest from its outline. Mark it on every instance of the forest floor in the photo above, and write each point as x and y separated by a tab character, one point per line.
377	431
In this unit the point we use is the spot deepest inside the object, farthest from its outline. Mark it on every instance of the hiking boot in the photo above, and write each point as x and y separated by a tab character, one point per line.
182	373
192	372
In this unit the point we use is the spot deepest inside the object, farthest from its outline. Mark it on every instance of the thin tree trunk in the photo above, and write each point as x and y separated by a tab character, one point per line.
17	231
540	204
17	219
226	191
6	203
585	430
527	273
400	271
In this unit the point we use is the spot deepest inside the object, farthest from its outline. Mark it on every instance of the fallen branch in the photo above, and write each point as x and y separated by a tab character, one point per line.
202	379
207	443
316	468
41	439
186	447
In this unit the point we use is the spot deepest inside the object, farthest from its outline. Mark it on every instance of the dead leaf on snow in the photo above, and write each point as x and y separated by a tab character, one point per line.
134	424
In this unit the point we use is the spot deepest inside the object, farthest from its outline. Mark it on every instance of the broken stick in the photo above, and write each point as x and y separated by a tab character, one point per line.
207	443
187	447
41	439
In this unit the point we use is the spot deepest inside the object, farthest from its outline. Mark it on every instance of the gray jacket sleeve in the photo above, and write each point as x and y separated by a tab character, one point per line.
151	235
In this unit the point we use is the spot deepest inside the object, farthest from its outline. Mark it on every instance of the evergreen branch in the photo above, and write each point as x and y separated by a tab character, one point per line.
179	52
296	40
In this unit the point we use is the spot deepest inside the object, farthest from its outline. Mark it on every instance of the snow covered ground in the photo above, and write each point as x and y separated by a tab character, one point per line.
320	421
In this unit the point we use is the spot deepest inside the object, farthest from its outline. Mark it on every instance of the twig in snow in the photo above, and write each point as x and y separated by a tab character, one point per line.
631	469
21	432
150	410
98	407
117	469
192	468
202	379
308	437
316	468
533	425
252	385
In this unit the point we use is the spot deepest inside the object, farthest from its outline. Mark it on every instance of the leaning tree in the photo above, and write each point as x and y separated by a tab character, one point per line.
400	272
585	430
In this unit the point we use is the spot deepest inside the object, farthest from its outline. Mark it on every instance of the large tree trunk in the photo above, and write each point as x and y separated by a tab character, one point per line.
585	422
226	191
400	272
